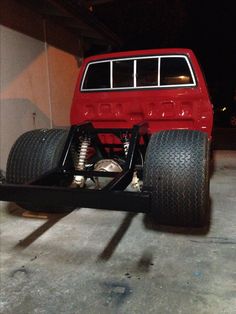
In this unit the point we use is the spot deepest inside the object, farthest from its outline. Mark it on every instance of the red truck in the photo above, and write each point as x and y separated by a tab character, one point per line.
141	124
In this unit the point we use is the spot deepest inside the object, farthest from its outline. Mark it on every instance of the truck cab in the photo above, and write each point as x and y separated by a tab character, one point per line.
164	87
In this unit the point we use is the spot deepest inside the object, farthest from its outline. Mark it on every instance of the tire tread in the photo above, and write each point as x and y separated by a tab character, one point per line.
176	170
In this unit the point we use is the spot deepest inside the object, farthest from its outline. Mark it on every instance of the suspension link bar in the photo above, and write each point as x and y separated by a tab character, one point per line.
48	189
68	197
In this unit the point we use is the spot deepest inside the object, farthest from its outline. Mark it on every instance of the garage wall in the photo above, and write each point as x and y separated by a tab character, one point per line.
36	86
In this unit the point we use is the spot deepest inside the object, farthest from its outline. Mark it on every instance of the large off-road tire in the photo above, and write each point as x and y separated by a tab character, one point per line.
33	154
176	170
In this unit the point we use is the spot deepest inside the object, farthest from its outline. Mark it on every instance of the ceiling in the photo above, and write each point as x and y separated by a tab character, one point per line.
78	18
112	25
137	24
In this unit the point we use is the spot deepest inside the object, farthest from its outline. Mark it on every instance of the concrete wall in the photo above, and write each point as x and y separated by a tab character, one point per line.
36	86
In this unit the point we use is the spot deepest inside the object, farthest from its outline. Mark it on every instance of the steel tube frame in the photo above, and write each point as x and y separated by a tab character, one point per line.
46	190
68	197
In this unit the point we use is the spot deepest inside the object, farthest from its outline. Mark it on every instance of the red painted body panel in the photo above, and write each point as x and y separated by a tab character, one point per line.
163	108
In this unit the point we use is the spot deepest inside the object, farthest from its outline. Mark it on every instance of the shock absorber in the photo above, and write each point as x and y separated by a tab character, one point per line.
135	184
82	155
79	180
126	146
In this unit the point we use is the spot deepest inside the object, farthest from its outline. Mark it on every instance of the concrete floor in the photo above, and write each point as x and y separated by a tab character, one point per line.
94	261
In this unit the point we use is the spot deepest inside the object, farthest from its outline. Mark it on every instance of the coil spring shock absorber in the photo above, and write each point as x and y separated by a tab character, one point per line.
79	180
135	184
126	146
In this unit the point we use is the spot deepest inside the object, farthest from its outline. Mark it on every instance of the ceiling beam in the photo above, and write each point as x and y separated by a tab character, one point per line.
97	2
81	14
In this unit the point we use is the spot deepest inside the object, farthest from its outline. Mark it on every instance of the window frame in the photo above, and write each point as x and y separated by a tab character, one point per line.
135	87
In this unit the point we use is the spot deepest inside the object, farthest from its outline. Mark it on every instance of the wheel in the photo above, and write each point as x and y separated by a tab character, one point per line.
176	171
33	154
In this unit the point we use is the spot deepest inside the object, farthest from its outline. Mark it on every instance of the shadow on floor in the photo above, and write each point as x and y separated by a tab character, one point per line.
113	243
39	232
51	220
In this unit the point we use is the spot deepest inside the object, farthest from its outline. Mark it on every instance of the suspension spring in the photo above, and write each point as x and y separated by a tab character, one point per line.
126	146
82	155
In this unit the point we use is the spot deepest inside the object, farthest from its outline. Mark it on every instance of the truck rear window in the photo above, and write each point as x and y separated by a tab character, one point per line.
147	72
98	76
136	73
123	73
175	71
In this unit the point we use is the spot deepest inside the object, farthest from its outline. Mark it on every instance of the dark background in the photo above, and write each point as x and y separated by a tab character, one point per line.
86	27
207	27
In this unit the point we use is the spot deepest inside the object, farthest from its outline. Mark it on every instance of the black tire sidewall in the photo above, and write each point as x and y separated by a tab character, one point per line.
176	171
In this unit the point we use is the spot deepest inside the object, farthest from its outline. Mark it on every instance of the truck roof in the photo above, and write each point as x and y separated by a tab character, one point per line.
145	52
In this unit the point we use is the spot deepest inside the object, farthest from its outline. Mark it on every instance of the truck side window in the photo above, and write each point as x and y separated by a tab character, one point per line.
97	76
175	71
123	73
147	72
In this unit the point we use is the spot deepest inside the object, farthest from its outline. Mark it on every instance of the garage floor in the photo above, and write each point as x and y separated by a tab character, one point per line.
94	261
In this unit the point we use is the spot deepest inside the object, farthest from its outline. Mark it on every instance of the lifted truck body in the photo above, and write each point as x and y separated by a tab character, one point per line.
139	141
164	107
